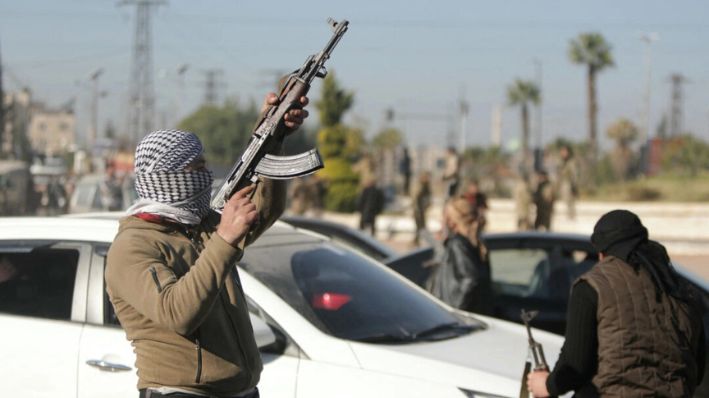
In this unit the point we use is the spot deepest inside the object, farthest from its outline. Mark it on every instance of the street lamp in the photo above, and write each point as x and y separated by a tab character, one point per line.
93	130
181	70
648	38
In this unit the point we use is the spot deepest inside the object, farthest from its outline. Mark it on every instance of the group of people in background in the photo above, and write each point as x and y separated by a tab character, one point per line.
307	196
536	195
461	270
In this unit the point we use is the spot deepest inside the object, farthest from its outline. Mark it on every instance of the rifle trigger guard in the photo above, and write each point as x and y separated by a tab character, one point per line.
286	167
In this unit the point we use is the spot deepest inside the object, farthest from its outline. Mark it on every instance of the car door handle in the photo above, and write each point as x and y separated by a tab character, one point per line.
107	366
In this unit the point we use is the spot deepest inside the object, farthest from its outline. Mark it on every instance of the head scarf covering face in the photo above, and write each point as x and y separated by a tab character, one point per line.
617	233
620	233
163	184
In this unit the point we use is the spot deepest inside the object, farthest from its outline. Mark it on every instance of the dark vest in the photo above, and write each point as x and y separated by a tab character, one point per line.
646	340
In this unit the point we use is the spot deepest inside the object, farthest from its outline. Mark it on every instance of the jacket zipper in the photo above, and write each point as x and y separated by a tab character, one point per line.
154	273
245	364
198	245
199	361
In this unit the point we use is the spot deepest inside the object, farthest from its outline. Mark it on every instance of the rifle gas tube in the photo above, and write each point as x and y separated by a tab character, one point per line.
540	362
254	161
536	351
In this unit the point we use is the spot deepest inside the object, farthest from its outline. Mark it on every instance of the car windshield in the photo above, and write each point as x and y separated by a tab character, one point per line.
349	296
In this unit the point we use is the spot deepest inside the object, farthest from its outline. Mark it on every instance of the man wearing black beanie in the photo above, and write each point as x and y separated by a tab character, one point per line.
634	327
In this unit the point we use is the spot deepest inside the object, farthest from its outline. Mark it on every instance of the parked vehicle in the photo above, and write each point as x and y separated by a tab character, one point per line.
535	270
87	195
353	238
15	188
330	322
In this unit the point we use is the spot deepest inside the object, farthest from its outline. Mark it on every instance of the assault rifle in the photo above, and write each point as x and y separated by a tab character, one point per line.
255	162
536	351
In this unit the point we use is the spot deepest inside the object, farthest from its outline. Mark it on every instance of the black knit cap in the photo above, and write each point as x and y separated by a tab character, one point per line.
618	233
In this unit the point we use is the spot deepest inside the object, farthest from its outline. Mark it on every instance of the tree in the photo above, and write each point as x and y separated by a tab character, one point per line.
592	50
224	130
522	93
623	132
339	145
334	102
685	155
388	139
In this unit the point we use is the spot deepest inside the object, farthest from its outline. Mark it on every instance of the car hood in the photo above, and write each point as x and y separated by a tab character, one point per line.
489	361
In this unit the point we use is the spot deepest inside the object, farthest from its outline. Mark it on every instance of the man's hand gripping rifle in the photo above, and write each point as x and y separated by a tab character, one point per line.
255	161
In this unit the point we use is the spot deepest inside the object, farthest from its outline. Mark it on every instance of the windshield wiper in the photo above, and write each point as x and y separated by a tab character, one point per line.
458	327
386	338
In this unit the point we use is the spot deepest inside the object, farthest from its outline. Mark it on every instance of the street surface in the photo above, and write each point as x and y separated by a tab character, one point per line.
682	227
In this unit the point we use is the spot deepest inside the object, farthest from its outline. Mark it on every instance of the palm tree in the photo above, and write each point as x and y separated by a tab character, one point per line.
522	93
592	50
623	132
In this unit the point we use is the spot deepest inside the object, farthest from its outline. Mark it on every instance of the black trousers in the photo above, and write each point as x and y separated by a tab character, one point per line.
145	393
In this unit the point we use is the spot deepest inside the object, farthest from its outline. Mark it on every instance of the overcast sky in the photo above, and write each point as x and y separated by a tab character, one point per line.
417	57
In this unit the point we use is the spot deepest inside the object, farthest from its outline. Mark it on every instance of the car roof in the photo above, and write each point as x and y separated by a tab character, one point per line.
104	230
538	235
56	228
354	237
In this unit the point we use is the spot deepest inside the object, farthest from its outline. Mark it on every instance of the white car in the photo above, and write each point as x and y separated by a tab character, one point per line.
329	322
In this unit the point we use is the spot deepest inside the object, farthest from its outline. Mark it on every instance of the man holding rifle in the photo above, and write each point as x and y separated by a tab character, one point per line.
171	272
634	326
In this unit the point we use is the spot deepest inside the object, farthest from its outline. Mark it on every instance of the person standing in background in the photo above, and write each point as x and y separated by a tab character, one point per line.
370	204
405	169
421	198
567	180
477	201
300	199
523	202
544	201
318	191
462	278
451	172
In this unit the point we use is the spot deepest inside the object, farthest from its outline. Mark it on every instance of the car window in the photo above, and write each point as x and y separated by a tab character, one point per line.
514	271
85	195
343	293
38	283
543	272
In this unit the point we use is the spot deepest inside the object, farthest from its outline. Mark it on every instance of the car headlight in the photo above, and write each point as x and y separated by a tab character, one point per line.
480	394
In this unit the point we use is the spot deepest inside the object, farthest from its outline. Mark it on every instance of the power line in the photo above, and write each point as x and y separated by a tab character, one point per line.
212	86
141	105
677	103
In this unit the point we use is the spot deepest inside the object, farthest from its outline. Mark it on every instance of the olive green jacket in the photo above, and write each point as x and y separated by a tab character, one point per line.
177	294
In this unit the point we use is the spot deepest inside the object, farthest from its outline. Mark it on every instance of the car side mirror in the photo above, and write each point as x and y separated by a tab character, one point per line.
262	332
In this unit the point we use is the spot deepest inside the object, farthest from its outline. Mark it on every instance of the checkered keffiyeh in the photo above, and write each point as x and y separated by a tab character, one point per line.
162	184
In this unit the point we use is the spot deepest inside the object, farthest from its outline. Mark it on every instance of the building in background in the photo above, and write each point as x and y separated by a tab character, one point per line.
52	131
32	128
14	143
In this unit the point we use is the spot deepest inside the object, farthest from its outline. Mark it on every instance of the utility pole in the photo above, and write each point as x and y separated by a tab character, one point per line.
212	85
539	125
645	130
93	128
2	111
677	104
180	92
496	128
141	103
464	110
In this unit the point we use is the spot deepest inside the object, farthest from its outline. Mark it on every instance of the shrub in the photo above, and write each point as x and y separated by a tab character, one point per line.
643	193
342	185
